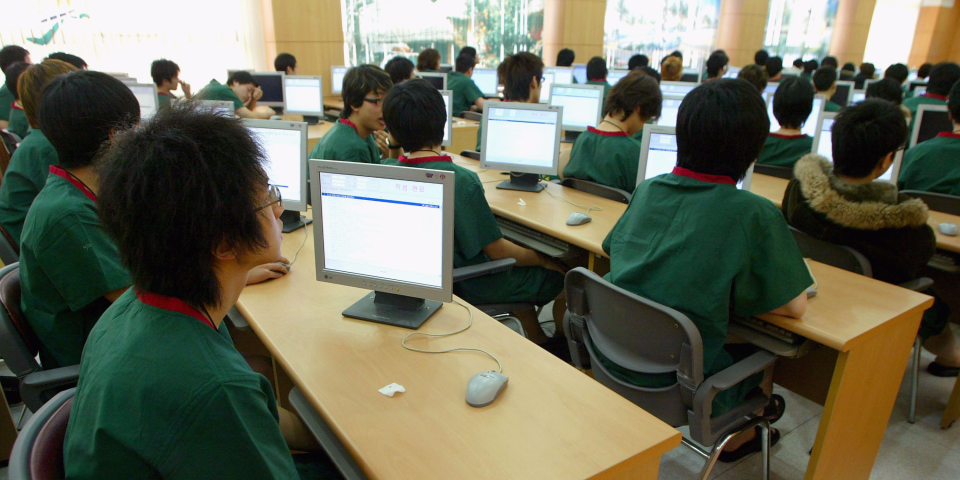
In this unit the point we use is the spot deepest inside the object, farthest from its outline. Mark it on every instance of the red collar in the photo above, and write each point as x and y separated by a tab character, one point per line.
76	183
350	124
934	95
15	107
788	137
606	134
683	172
598	79
413	161
949	135
174	305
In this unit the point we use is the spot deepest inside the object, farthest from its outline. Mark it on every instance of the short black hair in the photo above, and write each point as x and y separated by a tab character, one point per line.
163	69
887	89
798	62
755	75
241	77
897	71
465	62
596	68
830	62
716	62
865	133
428	59
565	57
824	78
185	170
634	90
399	69
924	70
652	72
677	53
810	66
78	112
953	102
637	61
12	54
359	82
721	128
69	58
760	58
468	51
793	102
284	61
867	69
516	71
849	67
942	77
774	66
415	114
12	74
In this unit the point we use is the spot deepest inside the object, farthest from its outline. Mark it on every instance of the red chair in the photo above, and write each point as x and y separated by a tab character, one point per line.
38	452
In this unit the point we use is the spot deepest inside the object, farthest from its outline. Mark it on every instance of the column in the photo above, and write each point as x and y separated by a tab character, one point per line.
851	30
573	24
311	30
936	39
741	29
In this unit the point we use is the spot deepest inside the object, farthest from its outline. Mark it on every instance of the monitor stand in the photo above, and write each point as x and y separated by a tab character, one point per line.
570	137
292	220
393	309
311	119
525	182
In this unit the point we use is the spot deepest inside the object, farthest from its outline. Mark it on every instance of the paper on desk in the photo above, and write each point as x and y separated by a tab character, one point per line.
521	202
389	390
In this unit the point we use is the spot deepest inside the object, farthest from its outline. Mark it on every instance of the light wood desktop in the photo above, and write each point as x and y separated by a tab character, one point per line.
550	422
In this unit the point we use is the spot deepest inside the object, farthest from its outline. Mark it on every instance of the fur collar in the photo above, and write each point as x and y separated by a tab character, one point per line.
870	206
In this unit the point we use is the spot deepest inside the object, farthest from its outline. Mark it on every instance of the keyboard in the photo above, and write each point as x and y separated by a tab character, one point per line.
770	329
530	238
944	261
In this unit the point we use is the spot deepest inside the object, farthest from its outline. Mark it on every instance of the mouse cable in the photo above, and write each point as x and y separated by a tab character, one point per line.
306	233
460	349
599	209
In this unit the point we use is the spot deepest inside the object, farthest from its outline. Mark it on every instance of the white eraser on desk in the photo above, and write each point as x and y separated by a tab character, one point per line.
521	202
389	390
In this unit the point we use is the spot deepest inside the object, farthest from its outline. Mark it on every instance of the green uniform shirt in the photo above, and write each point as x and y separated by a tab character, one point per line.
475	227
67	263
914	103
217	91
6	101
608	158
162	394
163	100
733	248
783	150
831	107
933	166
26	175
343	143
465	92
19	123
606	87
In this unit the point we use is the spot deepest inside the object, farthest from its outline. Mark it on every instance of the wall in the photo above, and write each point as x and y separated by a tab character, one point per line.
574	24
936	38
311	30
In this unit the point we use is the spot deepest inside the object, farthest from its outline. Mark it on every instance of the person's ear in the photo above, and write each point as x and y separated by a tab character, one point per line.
224	251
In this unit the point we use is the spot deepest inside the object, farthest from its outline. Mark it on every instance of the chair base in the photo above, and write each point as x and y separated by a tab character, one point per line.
714	454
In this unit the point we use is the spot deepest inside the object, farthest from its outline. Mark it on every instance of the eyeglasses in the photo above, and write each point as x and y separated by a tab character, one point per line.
273	197
375	101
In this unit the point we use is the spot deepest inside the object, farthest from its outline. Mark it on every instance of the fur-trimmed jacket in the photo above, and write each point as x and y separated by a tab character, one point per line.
887	227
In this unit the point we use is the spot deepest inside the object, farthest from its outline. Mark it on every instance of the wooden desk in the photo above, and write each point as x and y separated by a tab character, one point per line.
550	422
464	134
945	242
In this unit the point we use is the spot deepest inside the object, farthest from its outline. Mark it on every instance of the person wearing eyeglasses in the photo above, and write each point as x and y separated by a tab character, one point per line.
358	135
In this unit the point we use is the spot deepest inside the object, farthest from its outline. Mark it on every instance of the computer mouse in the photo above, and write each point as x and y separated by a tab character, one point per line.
577	218
949	229
285	265
485	387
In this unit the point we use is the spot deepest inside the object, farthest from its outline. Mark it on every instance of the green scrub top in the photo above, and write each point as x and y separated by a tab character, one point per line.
465	92
685	232
784	150
475	227
26	175
607	158
162	394
933	166
163	100
6	101
831	107
914	103
217	91
67	263
19	123
606	87
343	143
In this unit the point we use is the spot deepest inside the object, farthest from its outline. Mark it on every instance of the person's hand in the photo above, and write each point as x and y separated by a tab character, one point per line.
555	265
384	140
257	93
185	88
267	271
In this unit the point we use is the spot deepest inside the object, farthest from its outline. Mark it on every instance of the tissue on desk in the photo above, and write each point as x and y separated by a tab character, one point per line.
521	202
389	390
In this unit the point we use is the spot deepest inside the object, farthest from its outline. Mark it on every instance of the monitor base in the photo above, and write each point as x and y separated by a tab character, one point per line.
570	137
524	182
312	120
393	309
292	220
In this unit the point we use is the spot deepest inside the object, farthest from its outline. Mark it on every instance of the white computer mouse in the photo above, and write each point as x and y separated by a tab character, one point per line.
949	229
485	387
577	218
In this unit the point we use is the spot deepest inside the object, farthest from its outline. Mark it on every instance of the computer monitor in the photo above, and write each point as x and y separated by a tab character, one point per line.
919	90
582	107
823	145
303	95
444	68
224	108
771	88
682	88
545	87
561	75
843	96
917	83
732	72
272	85
438	80
931	121
858	96
690	75
447	127
358	206
523	138
866	83
128	80
669	110
486	80
336	78
658	155
146	94
285	147
580	72
615	74
810	126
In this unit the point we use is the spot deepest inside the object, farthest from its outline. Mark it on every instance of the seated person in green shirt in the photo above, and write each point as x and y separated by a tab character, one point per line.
18	120
163	392
597	74
30	163
888	89
415	114
242	90
825	82
166	75
608	154
566	57
286	63
842	204
8	56
899	73
732	247
942	78
934	165
754	75
717	65
792	104
400	69
77	62
428	61
466	95
521	75
358	135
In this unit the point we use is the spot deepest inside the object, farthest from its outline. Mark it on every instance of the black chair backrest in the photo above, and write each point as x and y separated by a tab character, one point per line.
774	171
18	344
597	189
832	254
938	202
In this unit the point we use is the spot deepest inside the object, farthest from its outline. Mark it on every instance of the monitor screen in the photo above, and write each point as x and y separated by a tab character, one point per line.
614	76
561	75
521	138
580	73
486	80
448	104
272	85
919	90
669	111
809	128
438	80
842	97
303	95
677	87
659	156
732	72
285	147
336	78
446	68
858	96
545	87
825	147
147	96
931	123
581	105
771	88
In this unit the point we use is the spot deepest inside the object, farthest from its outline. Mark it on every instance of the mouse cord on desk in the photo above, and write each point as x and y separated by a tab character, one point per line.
306	233
599	209
460	349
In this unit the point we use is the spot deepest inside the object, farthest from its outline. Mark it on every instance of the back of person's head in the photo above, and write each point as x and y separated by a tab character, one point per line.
867	70
774	66
798	63
678	54
651	72
760	58
469	51
721	128
887	89
865	133
415	114
566	57
810	66
793	102
953	102
358	83
12	54
716	62
942	77
465	62
830	62
162	70
632	92
30	86
168	237
241	77
671	69
898	72
71	59
428	59
849	67
284	61
597	69
924	70
80	110
638	61
12	75
515	74
754	75
824	78
400	69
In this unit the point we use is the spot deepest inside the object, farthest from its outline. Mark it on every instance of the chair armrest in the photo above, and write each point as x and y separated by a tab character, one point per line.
471	154
237	320
732	375
38	387
476	116
487	268
918	284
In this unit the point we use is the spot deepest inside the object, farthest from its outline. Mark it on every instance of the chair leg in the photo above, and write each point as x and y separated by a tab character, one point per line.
914	380
765	448
718	447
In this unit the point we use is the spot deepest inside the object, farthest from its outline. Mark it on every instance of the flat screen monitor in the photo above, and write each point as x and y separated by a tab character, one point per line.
580	73
522	138
614	75
582	105
858	96
448	103
771	88
444	68
336	78
561	75
823	145
843	96
303	95
545	87
272	85
919	90
128	80
682	88
732	72
146	94
917	83
866	83
438	80
224	108
658	155
285	147
810	127
931	121
360	206
486	80
669	110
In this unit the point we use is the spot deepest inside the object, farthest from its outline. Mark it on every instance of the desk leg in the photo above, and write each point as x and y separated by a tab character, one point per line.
952	412
592	261
861	397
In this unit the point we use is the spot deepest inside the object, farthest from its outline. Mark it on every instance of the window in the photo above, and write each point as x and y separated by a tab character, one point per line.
657	27
800	28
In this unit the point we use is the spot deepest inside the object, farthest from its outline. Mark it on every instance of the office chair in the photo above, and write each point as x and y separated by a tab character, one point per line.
324	436
10	140
939	202
774	171
645	336
5	155
9	251
501	312
38	452
597	189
